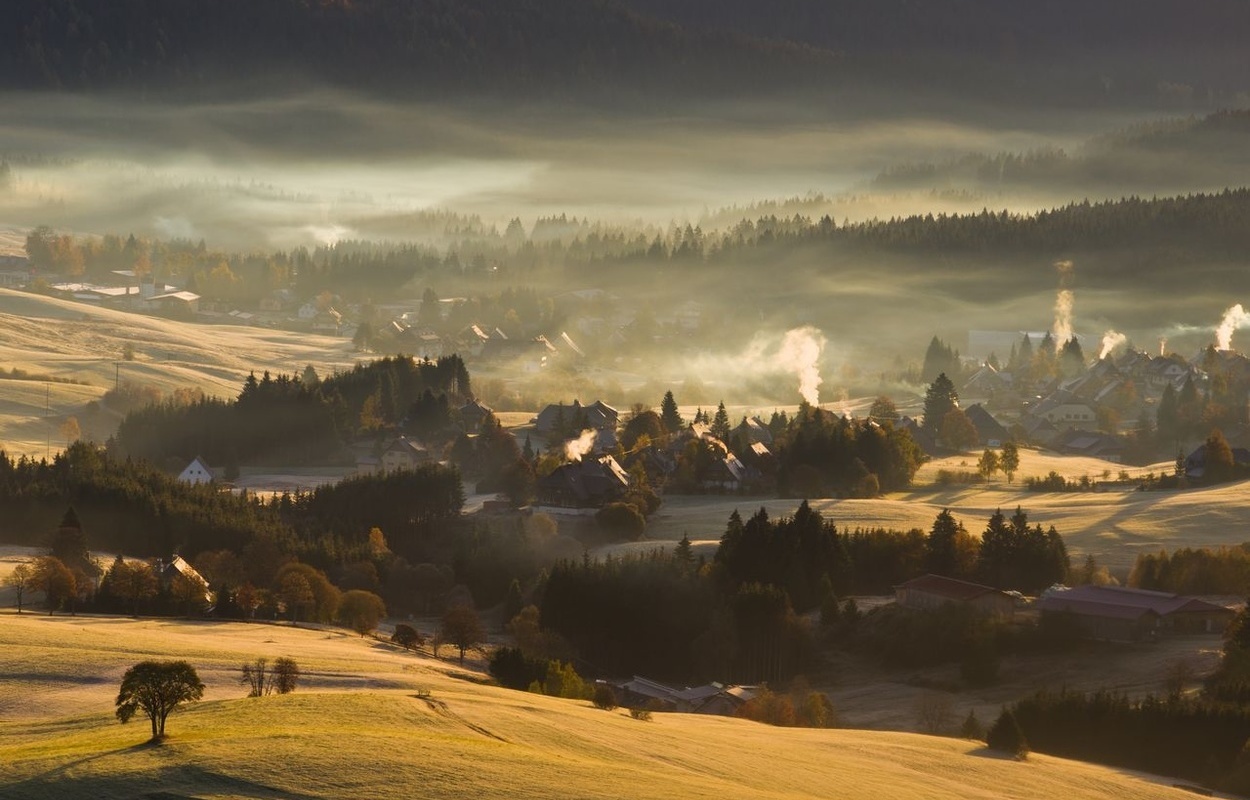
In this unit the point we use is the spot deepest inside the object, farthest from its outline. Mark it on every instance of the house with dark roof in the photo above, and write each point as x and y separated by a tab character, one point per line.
589	483
752	430
931	592
711	698
990	432
1196	462
598	416
1089	443
1121	614
472	414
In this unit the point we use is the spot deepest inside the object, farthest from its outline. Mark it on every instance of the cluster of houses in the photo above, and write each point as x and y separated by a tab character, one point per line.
711	698
1080	414
1105	613
594	477
131	292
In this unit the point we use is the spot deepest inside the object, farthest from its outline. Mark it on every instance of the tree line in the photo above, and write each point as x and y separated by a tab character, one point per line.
293	419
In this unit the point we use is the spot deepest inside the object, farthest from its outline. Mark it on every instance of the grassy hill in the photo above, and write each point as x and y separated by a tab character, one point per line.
360	729
84	343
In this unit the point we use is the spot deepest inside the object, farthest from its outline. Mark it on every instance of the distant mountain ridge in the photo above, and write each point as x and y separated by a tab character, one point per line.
1074	52
405	47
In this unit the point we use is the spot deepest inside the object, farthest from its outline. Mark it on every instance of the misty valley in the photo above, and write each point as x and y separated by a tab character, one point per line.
624	399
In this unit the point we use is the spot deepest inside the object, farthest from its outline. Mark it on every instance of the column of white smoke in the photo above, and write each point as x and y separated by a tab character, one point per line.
1234	318
1062	329
575	449
800	353
1110	341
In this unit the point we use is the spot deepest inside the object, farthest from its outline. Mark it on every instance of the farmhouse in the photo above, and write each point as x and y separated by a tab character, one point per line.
1066	410
990	431
403	453
196	472
589	483
472	415
1121	614
167	571
931	592
1196	462
556	418
712	698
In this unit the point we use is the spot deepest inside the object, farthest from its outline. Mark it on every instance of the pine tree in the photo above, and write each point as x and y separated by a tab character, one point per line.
939	400
1006	736
720	423
669	416
972	728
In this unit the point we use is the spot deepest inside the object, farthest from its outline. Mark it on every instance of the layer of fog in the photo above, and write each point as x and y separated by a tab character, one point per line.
322	166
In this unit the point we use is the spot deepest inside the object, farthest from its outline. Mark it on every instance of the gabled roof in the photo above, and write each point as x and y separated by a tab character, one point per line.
949	588
987	427
1122	602
407	446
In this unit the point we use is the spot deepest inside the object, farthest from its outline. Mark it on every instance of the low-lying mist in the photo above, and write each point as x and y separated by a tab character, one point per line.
320	166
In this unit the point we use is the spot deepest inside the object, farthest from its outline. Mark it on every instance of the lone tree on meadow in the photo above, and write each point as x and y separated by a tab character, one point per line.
20	580
1009	460
462	628
157	688
407	637
361	611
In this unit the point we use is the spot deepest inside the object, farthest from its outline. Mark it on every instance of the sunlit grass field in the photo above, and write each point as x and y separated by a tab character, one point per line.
371	722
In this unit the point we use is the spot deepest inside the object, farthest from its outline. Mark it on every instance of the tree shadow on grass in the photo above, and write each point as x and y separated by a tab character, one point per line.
180	782
985	752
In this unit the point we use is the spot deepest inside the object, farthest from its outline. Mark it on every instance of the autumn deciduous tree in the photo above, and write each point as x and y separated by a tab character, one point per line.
20	580
407	637
157	688
55	580
133	582
1009	460
958	432
190	591
361	611
462	628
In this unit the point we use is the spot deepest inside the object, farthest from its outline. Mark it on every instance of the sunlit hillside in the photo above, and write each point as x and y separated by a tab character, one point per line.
84	343
363	727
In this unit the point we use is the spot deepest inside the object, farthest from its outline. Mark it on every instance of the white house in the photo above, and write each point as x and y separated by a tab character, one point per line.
197	472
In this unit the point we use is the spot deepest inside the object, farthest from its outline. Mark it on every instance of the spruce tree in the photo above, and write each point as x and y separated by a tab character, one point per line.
939	400
720	423
669	416
1007	737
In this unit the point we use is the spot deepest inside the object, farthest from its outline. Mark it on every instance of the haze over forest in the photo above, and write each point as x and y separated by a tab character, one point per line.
287	124
805	352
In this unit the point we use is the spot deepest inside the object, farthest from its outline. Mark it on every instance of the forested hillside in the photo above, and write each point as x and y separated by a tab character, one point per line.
1068	50
426	48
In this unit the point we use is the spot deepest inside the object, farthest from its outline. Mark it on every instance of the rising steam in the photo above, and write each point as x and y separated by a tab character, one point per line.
1110	341
800	353
576	449
1163	345
1062	329
1234	318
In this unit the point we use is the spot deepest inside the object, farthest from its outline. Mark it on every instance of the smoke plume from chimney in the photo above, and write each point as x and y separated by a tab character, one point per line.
1061	331
1234	318
1110	341
576	449
800	353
